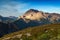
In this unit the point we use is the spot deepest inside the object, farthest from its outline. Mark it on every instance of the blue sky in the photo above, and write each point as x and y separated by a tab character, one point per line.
19	7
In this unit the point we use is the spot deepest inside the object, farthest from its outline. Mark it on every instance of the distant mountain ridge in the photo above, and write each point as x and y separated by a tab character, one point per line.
7	19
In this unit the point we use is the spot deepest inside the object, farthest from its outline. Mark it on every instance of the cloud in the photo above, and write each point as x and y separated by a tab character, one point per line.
17	8
48	8
12	8
51	9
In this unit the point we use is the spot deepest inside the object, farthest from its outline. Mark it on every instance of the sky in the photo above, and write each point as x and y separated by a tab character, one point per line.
19	7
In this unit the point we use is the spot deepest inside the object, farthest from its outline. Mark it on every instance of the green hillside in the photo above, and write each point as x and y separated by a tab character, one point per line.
45	32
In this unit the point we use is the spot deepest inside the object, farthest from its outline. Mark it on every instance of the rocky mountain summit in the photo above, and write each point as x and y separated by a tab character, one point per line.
38	15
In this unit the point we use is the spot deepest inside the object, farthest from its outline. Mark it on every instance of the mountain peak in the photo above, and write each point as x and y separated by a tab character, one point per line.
33	14
32	10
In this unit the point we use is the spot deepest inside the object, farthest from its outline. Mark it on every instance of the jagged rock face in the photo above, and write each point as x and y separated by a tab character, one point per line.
33	15
55	17
38	15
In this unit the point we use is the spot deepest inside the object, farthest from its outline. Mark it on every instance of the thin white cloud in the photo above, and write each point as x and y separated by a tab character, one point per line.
12	8
50	9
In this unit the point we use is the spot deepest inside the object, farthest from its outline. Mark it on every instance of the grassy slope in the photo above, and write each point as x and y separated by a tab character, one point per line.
45	32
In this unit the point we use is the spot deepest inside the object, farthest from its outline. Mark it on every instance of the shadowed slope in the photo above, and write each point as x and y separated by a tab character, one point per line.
45	32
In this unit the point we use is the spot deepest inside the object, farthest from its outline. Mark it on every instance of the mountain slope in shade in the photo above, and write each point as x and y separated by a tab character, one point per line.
45	32
6	28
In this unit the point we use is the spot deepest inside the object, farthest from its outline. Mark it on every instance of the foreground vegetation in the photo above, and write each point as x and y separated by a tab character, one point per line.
45	32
